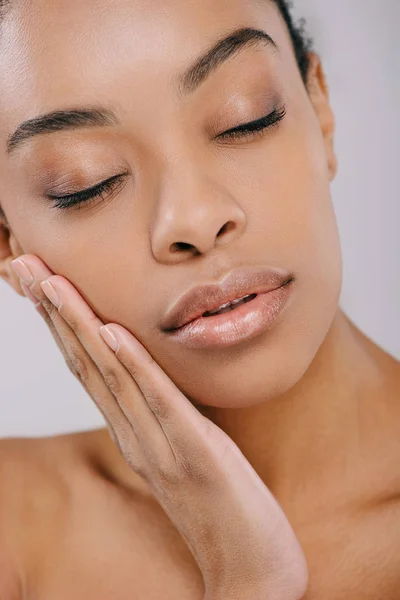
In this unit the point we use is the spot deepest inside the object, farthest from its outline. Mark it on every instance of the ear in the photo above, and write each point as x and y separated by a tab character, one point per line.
318	92
9	250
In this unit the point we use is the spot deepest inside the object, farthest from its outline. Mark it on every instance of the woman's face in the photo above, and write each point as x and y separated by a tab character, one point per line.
179	182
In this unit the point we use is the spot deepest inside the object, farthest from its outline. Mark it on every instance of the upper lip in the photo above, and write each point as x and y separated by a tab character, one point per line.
236	284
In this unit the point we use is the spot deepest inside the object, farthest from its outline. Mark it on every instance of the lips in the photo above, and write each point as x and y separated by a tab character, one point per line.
229	306
235	285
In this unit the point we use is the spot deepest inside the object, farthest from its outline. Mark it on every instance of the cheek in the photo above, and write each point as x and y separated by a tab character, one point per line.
284	189
309	231
104	256
111	276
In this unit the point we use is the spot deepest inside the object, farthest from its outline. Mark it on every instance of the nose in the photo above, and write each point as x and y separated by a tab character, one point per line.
194	216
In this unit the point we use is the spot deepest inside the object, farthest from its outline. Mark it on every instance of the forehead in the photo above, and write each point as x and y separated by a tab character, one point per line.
54	52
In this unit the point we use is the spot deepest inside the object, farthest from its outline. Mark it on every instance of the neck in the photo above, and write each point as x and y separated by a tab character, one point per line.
309	434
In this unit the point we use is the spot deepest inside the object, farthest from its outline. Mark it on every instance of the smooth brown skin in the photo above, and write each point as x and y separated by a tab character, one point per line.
313	405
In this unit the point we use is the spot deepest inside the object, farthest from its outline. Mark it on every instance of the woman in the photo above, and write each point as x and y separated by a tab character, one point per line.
166	172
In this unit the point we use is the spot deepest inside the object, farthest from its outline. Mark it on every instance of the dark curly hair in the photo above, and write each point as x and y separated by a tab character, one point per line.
302	43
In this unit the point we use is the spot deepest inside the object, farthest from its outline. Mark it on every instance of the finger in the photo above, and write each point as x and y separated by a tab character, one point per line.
55	323
28	293
85	324
40	306
191	435
165	399
45	316
78	360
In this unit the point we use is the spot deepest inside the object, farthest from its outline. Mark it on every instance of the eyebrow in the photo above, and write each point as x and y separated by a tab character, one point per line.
187	83
219	53
61	120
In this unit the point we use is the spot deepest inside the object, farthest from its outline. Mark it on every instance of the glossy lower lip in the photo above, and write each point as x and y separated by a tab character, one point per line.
245	322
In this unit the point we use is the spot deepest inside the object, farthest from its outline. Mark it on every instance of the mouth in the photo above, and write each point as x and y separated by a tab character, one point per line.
238	288
235	321
229	306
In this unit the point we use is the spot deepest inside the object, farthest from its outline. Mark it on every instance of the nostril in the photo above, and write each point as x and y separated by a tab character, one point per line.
178	246
227	227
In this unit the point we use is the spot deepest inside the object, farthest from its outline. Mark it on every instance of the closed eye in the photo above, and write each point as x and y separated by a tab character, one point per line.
90	194
254	128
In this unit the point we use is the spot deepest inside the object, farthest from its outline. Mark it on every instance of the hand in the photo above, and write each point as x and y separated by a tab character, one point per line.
236	530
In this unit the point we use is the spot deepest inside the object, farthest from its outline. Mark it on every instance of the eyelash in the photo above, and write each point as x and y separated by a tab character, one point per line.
255	128
89	195
245	131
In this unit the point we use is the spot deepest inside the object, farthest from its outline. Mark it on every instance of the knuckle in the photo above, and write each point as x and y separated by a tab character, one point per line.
112	380
194	462
133	461
131	456
72	321
135	367
169	474
131	365
164	468
78	367
159	406
49	307
176	469
193	469
45	314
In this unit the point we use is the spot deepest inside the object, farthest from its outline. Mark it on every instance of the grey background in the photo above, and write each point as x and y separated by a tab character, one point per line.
359	45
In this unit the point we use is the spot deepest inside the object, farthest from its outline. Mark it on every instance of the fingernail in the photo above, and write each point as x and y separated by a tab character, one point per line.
51	293
29	294
22	271
109	338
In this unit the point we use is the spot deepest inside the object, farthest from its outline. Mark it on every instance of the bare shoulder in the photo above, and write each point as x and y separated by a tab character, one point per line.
33	490
37	478
42	479
30	476
72	505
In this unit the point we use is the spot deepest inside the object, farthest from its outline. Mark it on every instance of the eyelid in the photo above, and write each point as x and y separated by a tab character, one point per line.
91	189
85	197
256	126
